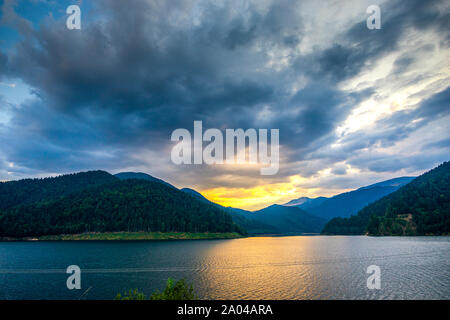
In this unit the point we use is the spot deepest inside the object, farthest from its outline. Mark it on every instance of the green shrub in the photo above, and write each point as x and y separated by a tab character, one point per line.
179	290
131	295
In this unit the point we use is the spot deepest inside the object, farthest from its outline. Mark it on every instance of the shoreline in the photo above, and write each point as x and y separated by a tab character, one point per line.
160	236
129	236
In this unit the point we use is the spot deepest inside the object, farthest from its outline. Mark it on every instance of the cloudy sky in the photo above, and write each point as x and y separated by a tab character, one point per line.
354	106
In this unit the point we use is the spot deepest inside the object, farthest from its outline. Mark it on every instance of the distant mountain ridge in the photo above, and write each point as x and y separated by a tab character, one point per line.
297	202
241	217
289	220
349	203
274	219
310	214
418	208
305	202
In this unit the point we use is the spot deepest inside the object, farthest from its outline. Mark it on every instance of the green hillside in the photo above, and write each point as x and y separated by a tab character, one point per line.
123	205
27	191
421	207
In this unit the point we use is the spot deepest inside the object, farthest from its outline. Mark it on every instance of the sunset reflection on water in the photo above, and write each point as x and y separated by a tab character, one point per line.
308	267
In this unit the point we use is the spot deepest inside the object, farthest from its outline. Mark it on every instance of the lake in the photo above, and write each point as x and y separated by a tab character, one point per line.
297	267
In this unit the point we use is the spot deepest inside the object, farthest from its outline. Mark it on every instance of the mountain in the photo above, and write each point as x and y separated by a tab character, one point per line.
275	219
27	191
120	205
141	176
133	201
396	182
253	226
196	194
417	208
241	217
349	203
288	219
297	202
306	203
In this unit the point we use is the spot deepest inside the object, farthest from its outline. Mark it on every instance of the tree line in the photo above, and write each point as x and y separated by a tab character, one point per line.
421	207
128	205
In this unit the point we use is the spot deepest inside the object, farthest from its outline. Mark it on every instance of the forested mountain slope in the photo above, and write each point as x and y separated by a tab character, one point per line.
418	208
123	205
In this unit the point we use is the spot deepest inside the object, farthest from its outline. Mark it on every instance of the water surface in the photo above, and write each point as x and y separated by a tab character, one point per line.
303	267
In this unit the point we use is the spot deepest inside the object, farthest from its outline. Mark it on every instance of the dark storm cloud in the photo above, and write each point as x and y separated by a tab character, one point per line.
399	126
132	78
320	109
3	64
436	106
140	69
339	170
357	47
280	26
11	19
402	123
360	149
136	60
137	76
441	144
402	63
51	141
381	163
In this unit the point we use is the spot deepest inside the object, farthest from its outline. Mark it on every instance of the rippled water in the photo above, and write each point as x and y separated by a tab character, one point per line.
304	267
